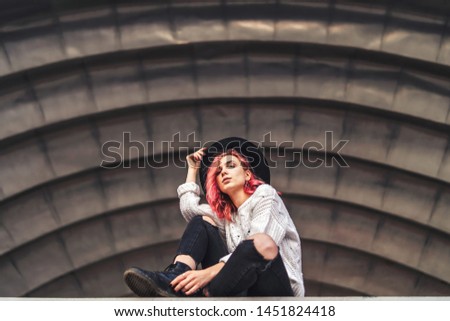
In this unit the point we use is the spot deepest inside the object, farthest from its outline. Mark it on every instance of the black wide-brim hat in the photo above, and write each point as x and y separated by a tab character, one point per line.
246	148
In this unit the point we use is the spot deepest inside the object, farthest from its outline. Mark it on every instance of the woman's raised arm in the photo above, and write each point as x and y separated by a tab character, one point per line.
193	162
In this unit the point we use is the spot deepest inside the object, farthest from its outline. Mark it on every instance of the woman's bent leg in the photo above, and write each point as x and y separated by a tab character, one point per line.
200	243
274	281
255	268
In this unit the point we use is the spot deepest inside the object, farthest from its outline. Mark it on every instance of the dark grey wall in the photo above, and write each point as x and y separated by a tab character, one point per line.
77	74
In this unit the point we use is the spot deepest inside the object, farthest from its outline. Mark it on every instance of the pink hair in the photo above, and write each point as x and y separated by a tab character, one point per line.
219	201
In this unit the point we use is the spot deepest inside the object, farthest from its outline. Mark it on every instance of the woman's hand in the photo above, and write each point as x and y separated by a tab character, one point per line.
192	281
194	159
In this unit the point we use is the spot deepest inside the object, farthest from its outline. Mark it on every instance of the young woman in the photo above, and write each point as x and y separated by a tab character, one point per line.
243	238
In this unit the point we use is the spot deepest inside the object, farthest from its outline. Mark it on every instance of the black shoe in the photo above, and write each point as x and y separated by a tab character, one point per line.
154	284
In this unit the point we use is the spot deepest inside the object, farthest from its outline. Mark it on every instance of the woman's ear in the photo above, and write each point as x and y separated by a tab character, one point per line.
248	175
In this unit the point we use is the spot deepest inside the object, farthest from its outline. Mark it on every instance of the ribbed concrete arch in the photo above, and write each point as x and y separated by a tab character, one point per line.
139	181
332	264
58	204
374	275
100	279
55	203
124	230
327	290
107	28
375	233
377	188
66	91
76	75
70	248
388	144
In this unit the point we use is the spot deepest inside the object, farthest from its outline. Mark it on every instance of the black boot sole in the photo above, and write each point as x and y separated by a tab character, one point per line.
143	286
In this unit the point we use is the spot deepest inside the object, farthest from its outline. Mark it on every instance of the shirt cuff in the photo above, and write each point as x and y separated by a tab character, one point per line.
225	258
188	187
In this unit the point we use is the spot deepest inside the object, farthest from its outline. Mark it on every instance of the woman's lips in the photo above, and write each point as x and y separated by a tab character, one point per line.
226	180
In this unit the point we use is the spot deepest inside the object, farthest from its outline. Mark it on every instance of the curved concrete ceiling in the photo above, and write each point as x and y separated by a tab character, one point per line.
76	75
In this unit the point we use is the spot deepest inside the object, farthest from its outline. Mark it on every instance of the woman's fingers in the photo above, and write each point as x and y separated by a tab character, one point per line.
176	280
184	280
177	283
192	289
195	158
187	282
199	154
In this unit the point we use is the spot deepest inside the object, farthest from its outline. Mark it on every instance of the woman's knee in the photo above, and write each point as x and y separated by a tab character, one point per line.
265	245
209	220
203	218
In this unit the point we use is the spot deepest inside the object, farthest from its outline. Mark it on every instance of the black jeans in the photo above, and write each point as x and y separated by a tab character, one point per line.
246	271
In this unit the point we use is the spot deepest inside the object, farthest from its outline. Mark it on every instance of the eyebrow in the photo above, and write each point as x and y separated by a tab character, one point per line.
226	164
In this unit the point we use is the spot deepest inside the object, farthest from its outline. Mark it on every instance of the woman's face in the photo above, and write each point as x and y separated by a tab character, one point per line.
231	175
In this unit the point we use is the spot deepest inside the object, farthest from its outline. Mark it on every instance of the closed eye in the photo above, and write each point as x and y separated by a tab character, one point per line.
230	164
